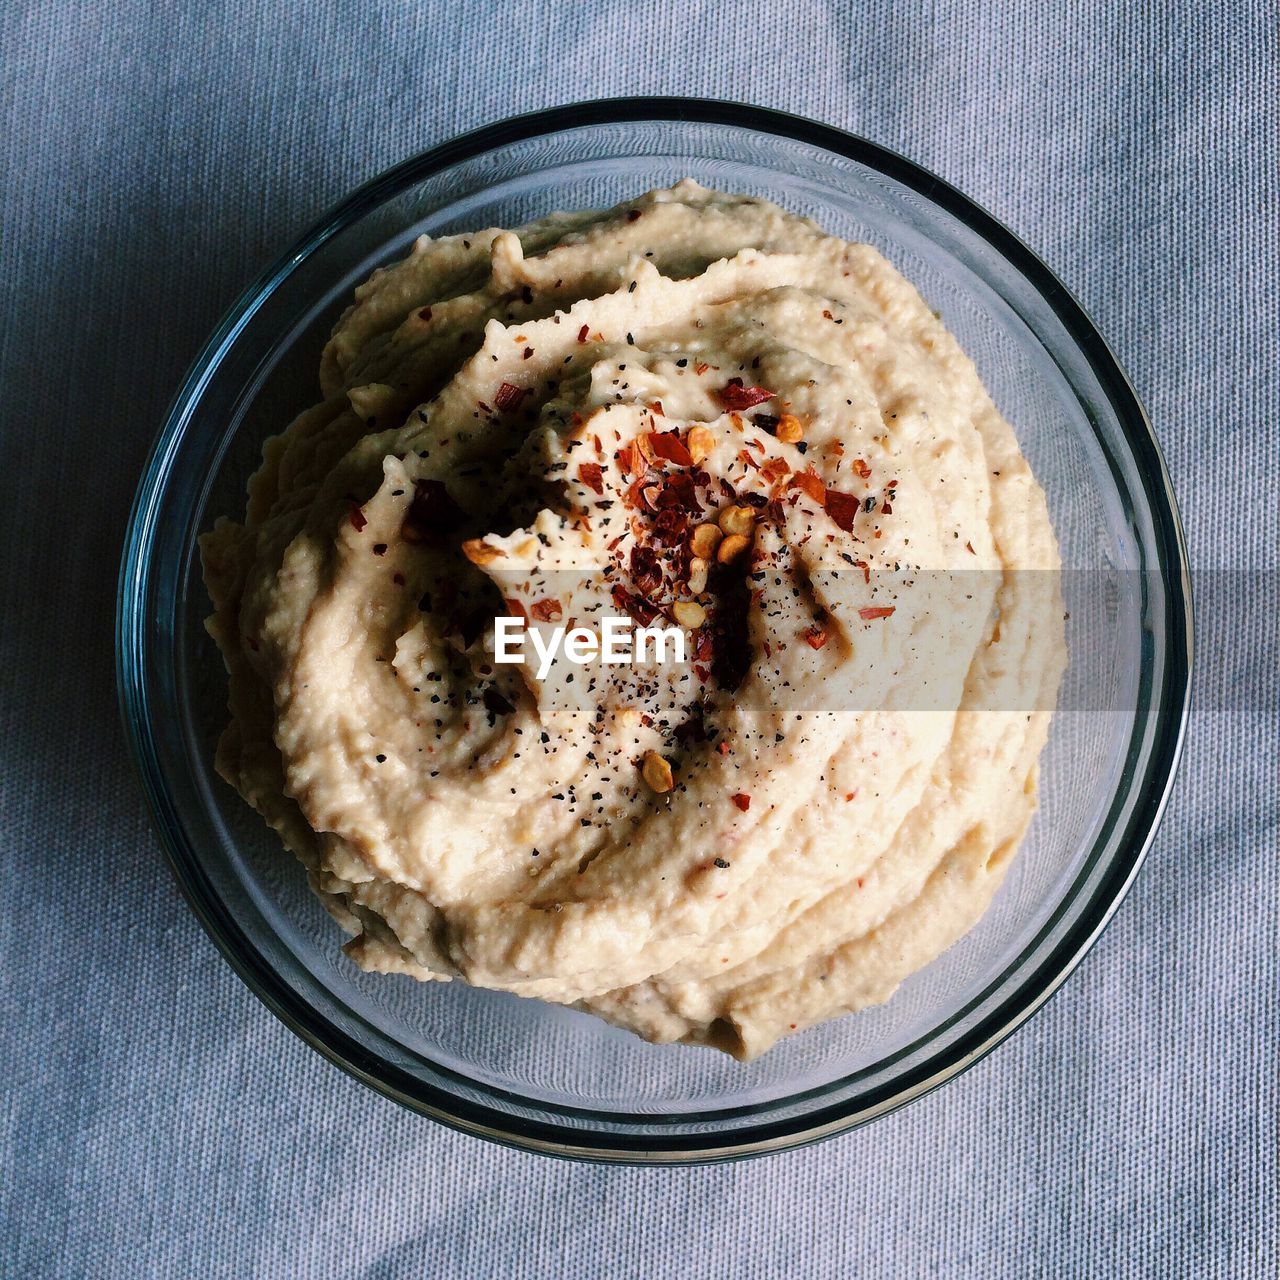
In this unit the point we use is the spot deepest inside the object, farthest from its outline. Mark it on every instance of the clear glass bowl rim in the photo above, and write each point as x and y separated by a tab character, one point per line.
1151	791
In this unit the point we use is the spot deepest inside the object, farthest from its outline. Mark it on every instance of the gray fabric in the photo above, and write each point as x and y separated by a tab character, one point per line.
156	1118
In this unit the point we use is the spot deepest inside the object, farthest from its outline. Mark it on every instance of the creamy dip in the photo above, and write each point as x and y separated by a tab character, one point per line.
693	410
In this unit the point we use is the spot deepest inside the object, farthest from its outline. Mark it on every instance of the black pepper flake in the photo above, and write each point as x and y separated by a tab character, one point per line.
722	864
380	758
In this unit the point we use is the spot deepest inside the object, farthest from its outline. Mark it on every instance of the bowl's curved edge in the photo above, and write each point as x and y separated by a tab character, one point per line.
500	1126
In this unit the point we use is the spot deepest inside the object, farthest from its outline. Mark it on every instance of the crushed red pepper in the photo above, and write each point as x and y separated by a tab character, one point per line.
509	396
734	396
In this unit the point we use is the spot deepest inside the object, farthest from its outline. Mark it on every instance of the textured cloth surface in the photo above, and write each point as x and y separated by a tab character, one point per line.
154	1118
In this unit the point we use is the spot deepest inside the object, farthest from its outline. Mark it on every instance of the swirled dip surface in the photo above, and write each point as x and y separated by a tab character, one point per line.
537	423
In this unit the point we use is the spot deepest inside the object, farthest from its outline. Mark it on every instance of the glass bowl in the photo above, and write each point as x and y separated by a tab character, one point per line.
550	1078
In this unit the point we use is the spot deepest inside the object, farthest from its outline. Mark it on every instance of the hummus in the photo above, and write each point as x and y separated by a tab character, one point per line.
696	410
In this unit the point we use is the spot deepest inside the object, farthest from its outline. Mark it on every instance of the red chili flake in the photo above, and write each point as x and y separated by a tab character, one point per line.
515	607
431	512
742	800
667	444
733	395
545	610
747	460
592	476
627	459
811	482
886	508
872	612
357	517
816	637
634	497
722	747
670	527
640	610
842	507
866	570
582	333
701	367
646	571
509	396
968	546
848	796
775	469
656	406
678	491
862	470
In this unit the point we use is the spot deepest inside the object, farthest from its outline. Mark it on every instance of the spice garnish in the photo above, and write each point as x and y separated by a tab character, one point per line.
816	636
789	429
733	395
742	800
656	771
872	612
509	396
811	482
842	507
667	444
591	474
546	610
432	512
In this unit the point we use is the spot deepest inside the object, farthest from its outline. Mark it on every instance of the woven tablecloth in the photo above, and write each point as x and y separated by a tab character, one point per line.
156	1119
